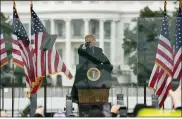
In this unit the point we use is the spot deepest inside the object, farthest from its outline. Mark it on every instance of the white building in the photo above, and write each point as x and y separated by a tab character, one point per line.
72	20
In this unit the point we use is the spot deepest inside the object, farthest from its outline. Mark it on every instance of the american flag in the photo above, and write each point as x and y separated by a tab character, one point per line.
178	51
161	76
3	53
53	60
22	52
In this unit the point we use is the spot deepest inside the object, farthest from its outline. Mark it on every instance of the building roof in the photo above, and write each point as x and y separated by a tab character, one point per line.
86	6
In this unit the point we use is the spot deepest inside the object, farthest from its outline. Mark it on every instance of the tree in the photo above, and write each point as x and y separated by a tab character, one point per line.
5	25
6	30
142	42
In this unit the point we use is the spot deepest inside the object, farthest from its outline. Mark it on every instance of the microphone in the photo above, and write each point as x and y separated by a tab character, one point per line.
87	44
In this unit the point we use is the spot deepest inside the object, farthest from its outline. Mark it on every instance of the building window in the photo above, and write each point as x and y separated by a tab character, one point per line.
76	56
77	28
107	29
126	26
107	50
24	80
59	80
26	26
94	28
47	24
60	28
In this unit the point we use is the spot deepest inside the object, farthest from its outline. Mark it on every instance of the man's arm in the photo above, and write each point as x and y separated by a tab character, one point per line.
105	61
82	55
101	57
82	51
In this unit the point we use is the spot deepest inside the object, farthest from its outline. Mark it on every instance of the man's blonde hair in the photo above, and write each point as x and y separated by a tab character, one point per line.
89	37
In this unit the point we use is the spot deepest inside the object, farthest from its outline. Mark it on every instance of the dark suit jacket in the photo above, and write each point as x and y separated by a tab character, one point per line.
89	57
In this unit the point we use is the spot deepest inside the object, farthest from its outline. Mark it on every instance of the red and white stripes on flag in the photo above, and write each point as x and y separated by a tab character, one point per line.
160	82
163	87
3	53
161	78
16	52
24	54
162	72
177	71
54	63
154	77
178	64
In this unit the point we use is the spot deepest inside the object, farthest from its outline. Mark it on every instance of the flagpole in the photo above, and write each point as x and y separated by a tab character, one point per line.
180	7
0	91
45	85
165	3
145	86
180	4
13	91
13	78
2	96
31	3
33	97
45	78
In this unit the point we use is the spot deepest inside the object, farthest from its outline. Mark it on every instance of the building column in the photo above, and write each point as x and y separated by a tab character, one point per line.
86	25
68	43
121	36
113	41
52	26
101	33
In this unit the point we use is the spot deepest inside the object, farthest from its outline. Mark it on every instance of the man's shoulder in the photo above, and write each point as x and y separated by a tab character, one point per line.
99	49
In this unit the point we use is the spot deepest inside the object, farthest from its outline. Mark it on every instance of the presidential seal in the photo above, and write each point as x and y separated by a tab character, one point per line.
93	74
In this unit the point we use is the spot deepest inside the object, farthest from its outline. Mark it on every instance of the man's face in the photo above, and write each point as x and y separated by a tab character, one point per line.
92	41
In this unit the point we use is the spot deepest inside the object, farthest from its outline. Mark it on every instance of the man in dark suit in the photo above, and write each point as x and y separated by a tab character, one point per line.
89	56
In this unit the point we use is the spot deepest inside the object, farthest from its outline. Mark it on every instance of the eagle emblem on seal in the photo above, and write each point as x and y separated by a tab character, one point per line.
93	74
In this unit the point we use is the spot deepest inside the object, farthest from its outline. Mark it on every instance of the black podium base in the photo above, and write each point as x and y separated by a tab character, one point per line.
84	108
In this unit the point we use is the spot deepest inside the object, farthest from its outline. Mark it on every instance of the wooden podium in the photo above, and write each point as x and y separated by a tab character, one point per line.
93	87
91	96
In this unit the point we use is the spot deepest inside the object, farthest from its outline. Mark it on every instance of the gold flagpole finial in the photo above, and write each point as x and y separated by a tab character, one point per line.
31	3
180	3
165	4
31	6
14	4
